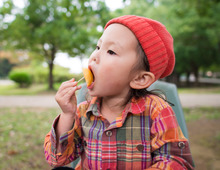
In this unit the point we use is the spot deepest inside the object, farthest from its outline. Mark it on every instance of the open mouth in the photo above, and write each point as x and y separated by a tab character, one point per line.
92	84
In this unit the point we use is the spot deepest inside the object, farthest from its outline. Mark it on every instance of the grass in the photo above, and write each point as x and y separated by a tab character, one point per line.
22	136
193	114
206	90
23	130
35	89
32	90
204	136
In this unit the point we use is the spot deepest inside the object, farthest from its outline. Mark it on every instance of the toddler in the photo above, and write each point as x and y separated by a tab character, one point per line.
123	126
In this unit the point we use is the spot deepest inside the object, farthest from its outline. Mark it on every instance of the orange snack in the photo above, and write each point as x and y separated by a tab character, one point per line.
88	76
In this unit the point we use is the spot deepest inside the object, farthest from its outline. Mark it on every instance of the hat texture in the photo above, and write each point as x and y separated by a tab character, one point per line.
155	40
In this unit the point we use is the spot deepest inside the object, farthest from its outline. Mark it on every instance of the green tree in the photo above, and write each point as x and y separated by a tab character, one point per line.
5	67
136	7
196	34
48	27
194	26
5	11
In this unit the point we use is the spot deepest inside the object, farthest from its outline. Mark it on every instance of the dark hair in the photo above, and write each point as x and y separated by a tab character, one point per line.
142	64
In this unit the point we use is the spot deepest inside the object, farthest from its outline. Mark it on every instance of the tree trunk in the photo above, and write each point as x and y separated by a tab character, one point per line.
51	66
178	83
173	78
187	79
196	74
50	83
53	53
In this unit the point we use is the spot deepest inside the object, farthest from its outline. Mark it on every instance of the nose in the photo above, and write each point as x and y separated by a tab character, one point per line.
94	57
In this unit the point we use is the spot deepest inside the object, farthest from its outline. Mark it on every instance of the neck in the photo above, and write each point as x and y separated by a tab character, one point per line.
113	106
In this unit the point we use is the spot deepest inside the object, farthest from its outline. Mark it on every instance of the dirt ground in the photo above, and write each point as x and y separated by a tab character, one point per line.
204	142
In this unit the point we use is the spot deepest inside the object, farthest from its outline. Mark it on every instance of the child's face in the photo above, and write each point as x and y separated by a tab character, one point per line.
112	62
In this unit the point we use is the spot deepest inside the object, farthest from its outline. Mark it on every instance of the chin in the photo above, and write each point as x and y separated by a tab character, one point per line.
92	93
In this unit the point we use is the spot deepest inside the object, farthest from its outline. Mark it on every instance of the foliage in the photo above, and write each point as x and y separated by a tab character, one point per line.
48	27
22	78
60	77
5	11
5	67
39	73
194	26
196	35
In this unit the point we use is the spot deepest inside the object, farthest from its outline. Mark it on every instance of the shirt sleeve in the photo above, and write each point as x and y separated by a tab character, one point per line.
170	149
70	142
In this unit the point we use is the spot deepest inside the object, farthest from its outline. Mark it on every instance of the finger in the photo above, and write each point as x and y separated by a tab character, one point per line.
68	96
71	80
65	90
62	96
67	84
71	92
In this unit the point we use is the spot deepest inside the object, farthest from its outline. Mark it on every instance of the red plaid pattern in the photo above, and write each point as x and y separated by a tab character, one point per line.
145	135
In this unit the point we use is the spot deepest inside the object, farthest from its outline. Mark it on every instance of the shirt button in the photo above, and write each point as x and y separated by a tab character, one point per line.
108	133
85	144
181	145
140	147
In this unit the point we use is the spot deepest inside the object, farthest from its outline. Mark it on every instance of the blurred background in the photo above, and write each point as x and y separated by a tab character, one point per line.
43	43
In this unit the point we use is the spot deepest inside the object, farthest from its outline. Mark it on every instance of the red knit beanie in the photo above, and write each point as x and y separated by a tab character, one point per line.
155	40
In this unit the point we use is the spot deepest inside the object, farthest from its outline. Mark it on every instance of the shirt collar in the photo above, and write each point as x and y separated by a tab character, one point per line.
135	106
94	107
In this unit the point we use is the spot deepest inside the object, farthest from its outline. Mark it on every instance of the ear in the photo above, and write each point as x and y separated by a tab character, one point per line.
142	79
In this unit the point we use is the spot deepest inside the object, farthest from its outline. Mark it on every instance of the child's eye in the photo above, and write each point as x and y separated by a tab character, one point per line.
111	52
97	47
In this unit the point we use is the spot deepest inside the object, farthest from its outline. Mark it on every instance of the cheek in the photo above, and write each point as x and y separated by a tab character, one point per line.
106	68
114	76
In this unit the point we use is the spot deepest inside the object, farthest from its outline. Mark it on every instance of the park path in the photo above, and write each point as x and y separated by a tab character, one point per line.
48	101
44	101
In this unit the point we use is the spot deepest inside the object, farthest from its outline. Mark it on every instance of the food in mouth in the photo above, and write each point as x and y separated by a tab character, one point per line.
88	76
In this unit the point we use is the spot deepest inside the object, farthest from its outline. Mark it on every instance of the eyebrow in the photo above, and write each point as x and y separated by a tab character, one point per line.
111	42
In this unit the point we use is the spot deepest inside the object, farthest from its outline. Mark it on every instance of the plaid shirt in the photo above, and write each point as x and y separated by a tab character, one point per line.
145	135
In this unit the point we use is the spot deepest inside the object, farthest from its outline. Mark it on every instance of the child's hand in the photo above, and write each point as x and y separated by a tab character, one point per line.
66	97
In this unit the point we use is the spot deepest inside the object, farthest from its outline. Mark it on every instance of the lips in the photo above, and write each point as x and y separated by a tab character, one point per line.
91	85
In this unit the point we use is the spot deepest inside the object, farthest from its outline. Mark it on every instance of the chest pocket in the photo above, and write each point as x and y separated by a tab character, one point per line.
92	129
